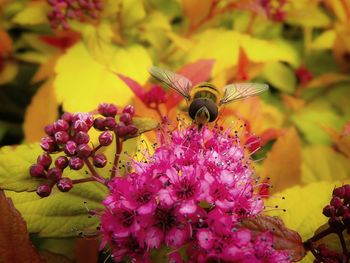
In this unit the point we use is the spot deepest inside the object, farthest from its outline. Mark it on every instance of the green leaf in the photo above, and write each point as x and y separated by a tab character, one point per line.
14	167
60	214
312	119
280	76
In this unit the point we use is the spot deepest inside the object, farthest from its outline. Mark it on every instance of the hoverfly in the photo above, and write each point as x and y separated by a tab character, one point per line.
204	99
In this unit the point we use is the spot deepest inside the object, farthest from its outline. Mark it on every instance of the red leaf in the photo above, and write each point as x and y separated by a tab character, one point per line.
86	250
62	40
283	238
15	245
133	85
242	67
198	71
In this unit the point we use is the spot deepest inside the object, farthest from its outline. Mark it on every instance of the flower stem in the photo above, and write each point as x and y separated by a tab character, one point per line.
96	149
83	180
94	173
119	147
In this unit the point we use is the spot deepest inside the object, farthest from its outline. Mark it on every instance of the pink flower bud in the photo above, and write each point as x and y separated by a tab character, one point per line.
45	160
85	117
47	144
125	118
54	174
44	190
61	137
339	192
80	125
37	170
64	184
100	160
49	130
99	124
67	116
129	109
76	163
84	151
109	122
61	162
336	202
81	138
70	148
132	129
107	109
121	130
105	138
60	125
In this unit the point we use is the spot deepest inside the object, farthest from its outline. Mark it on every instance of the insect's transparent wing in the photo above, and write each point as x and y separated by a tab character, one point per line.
238	91
175	81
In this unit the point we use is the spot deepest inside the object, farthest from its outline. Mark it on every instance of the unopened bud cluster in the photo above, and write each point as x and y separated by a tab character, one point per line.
64	10
70	136
338	210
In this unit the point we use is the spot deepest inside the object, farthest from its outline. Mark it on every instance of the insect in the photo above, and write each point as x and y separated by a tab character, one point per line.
205	100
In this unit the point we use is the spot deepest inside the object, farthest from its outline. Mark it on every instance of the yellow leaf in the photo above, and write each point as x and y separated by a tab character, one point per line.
82	83
280	76
321	163
283	162
304	206
224	47
33	14
133	11
36	118
179	41
308	15
324	41
9	72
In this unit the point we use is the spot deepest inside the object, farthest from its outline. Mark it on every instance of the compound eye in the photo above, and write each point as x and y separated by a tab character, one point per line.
199	103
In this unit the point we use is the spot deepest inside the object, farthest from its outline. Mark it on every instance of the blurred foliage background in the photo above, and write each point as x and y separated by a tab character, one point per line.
58	56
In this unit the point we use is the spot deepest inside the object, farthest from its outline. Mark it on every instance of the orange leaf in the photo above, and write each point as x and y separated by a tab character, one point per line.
283	162
15	245
326	80
283	238
5	42
196	10
341	142
42	110
292	102
46	69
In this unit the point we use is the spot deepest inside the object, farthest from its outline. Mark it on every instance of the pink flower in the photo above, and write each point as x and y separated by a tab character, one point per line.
190	193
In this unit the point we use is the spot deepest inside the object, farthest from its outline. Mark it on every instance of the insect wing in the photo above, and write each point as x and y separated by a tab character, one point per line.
239	91
175	81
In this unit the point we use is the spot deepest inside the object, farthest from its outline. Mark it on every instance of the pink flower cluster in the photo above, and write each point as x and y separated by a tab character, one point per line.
189	195
64	10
